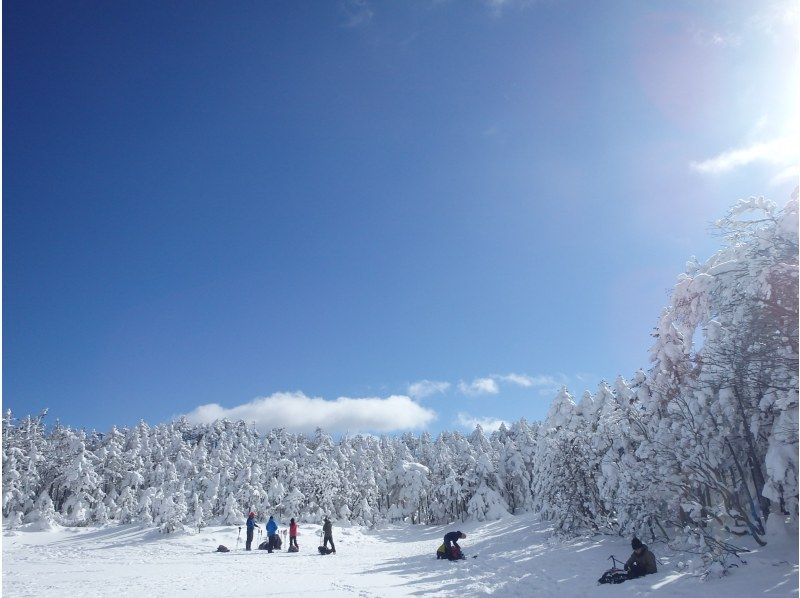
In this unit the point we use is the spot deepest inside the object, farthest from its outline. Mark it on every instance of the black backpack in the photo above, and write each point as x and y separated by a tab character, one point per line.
222	548
613	576
324	550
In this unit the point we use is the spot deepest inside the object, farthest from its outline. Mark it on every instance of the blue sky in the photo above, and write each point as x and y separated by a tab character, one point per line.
205	204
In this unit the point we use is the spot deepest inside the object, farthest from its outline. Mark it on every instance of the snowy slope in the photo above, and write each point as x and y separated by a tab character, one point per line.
516	558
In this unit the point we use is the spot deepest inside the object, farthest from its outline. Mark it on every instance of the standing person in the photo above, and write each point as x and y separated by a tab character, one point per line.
642	561
272	529
451	541
293	534
251	524
327	530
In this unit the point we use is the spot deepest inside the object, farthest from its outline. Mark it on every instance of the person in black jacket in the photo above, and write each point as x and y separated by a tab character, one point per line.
327	530
251	523
451	539
642	561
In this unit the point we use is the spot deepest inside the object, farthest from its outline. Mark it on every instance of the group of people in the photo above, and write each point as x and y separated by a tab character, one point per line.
641	562
274	541
450	549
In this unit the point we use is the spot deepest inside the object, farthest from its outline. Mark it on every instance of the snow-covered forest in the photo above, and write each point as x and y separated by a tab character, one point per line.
702	441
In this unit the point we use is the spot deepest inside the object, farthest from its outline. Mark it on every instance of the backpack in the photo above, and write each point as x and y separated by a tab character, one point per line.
293	549
222	548
277	542
613	576
324	550
455	553
264	545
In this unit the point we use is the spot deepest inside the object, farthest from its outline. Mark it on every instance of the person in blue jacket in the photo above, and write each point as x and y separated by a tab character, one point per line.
272	533
251	524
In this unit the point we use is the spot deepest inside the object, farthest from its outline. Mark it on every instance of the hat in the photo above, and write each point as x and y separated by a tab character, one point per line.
636	543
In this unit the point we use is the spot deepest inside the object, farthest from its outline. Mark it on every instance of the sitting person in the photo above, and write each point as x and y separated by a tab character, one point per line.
642	561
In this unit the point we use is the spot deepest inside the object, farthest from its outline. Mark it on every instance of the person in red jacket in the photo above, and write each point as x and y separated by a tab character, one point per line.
292	534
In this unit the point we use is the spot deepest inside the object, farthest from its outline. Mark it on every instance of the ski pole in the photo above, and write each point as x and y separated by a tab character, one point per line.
238	537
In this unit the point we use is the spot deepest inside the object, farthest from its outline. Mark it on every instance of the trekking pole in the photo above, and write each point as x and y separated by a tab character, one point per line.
238	537
614	561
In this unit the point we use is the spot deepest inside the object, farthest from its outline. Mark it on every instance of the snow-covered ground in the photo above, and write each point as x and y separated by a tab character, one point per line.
515	558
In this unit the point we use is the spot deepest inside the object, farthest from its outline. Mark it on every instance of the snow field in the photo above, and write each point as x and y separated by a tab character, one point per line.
516	557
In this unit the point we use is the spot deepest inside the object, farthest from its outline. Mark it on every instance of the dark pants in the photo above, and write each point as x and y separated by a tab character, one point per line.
329	538
293	541
636	570
272	542
249	539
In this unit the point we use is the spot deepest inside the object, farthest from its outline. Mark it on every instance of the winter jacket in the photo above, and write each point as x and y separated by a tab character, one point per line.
327	528
643	564
251	523
293	529
272	527
453	537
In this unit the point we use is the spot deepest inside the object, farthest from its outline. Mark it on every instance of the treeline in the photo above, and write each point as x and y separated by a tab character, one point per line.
705	440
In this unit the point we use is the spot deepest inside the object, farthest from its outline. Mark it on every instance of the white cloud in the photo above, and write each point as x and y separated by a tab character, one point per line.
479	386
790	173
426	388
489	424
498	7
777	18
490	385
527	381
358	12
517	379
710	37
299	413
777	151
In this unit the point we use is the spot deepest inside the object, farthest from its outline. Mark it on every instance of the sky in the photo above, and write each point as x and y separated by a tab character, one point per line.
367	216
